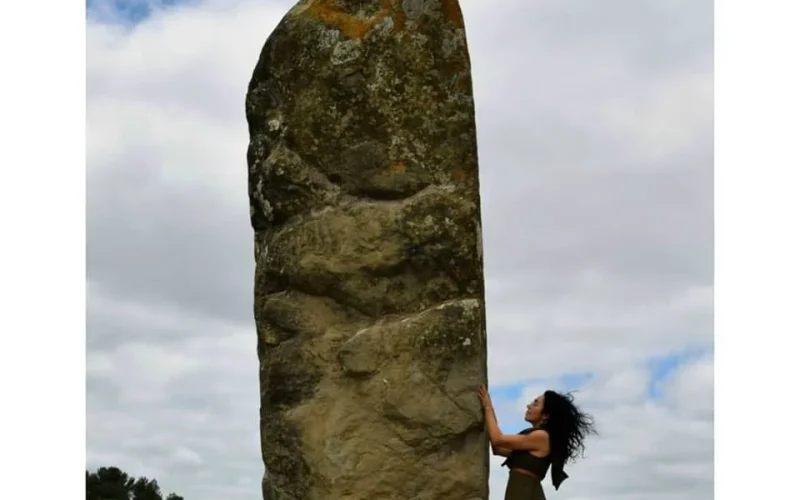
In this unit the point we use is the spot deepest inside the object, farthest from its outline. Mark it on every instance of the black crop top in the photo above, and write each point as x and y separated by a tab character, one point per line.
522	459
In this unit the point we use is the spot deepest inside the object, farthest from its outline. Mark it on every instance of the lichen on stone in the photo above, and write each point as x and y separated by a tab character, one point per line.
364	199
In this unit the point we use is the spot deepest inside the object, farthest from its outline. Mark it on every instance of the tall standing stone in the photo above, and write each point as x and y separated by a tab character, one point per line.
363	181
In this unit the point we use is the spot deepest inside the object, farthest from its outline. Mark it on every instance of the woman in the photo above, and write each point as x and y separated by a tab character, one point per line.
558	429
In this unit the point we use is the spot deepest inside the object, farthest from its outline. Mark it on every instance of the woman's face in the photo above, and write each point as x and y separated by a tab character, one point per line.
533	412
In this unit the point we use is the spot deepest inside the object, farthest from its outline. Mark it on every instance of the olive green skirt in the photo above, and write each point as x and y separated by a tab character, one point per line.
523	487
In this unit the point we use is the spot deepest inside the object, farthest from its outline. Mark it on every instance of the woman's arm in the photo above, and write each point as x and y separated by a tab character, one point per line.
535	441
489	415
500	452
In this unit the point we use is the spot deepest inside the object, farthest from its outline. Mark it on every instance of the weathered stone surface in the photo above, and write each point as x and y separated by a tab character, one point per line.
369	290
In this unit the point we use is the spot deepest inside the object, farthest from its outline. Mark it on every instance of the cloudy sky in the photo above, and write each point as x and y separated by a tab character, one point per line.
595	123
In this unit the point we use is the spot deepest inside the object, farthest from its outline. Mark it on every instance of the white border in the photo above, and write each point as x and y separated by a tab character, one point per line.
42	257
42	197
756	246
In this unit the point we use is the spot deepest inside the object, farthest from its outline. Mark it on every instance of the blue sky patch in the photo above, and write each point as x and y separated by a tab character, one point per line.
573	381
127	11
662	368
510	392
564	382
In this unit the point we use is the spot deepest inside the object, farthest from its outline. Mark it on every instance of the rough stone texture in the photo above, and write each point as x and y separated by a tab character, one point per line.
364	198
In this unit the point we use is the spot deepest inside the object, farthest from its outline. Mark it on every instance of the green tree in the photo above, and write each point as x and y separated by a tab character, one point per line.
111	483
146	489
108	483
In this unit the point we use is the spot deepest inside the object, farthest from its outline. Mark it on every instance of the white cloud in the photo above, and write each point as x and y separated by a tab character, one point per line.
557	333
625	386
665	118
691	391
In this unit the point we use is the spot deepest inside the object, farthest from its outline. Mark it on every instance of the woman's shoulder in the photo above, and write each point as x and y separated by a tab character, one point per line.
530	430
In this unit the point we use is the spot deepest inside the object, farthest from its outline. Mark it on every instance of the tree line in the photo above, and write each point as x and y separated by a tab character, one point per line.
111	483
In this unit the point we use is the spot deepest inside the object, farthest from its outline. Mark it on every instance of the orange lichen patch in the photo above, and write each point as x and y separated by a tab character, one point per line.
330	13
452	11
353	27
397	168
399	20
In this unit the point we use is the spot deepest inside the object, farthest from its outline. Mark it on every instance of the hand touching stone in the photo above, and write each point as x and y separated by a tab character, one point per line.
483	395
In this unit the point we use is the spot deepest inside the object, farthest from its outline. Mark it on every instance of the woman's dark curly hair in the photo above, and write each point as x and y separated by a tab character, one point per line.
567	425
